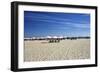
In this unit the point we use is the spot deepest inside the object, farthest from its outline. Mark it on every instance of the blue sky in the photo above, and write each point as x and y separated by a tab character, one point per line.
41	24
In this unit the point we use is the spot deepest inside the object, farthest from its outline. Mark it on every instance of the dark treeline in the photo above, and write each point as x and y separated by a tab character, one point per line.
73	38
51	39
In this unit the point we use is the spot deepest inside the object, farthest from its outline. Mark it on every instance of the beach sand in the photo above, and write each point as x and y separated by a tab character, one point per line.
41	50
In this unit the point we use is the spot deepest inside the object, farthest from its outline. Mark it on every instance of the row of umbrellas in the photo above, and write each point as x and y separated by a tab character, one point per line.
47	37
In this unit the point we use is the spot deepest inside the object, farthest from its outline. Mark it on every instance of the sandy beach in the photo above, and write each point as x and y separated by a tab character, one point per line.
41	50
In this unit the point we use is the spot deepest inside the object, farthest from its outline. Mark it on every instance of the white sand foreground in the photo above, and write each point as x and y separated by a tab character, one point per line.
41	50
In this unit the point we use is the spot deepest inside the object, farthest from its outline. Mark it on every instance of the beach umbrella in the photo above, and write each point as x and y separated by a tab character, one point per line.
33	38
55	37
61	37
48	37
